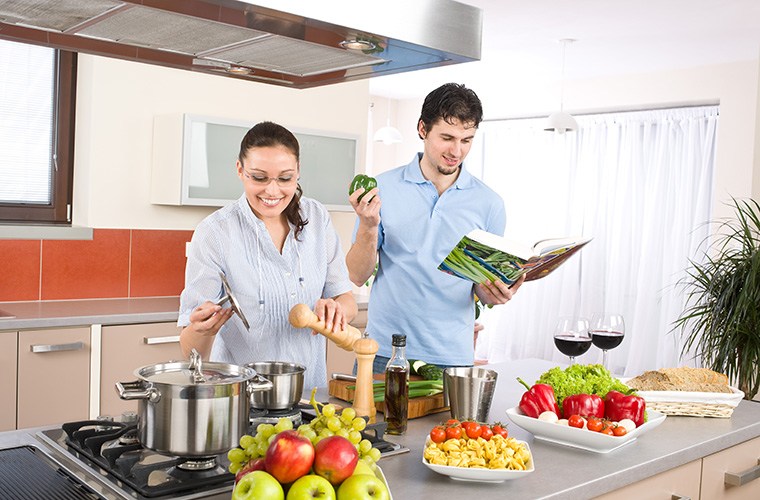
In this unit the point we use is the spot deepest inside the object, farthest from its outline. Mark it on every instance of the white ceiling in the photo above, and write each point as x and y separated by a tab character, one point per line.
613	37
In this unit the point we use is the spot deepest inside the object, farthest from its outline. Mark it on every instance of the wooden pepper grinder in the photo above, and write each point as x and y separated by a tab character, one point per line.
349	339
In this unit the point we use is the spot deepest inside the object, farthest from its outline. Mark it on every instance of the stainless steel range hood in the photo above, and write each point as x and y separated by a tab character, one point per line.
295	43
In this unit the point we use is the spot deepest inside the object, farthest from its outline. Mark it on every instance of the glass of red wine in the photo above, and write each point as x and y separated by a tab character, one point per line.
571	337
607	332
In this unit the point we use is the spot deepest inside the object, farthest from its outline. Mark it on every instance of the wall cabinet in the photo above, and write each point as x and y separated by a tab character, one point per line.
8	367
125	348
53	376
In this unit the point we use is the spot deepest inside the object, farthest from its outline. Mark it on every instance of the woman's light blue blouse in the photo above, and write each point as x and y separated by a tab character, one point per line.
267	284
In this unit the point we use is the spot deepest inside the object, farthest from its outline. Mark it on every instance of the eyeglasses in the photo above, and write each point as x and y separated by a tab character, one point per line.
284	181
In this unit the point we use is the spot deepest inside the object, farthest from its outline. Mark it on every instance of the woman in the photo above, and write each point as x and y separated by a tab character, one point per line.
276	249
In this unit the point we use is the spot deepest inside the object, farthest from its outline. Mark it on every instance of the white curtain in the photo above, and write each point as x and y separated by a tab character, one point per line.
639	183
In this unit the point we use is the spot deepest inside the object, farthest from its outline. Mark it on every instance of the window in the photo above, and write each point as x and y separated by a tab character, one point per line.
37	98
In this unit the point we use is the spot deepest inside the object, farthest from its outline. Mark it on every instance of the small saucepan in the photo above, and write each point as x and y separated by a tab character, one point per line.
287	382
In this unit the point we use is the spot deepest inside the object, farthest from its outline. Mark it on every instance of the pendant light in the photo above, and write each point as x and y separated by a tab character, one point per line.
388	134
561	122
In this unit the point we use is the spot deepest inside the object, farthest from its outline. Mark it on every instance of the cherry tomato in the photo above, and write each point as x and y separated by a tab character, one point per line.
438	434
499	429
619	430
594	424
486	432
472	429
452	422
575	421
454	432
608	431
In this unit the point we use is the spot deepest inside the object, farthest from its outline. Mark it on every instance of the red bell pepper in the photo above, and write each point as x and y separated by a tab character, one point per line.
538	399
585	405
618	406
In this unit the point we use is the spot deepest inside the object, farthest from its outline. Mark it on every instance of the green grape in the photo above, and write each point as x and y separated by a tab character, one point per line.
315	439
369	460
235	467
246	441
348	415
265	430
359	424
236	455
326	433
269	440
364	446
375	454
303	428
354	436
261	448
309	433
333	423
283	424
328	410
252	450
342	432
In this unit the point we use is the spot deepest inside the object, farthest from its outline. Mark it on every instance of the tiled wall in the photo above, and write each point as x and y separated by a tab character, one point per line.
116	263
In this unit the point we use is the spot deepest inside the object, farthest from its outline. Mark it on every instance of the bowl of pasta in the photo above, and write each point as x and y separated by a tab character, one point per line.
494	461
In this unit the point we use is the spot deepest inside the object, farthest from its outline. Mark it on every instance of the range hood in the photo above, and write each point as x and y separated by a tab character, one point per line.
294	43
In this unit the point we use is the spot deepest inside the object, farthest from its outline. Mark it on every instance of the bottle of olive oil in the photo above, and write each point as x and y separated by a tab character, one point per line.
397	387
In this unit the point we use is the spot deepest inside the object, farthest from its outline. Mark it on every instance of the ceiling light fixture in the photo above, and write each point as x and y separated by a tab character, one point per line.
388	134
561	122
354	44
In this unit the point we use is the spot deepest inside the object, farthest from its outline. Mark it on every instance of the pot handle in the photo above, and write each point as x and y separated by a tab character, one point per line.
259	383
135	390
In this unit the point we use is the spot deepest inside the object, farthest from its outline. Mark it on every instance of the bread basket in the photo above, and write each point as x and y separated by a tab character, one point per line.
693	404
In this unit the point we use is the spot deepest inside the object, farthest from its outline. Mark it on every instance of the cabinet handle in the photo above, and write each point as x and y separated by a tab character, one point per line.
74	346
161	340
743	477
679	497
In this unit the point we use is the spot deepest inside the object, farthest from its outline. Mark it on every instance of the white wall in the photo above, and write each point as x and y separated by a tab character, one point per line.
116	103
734	86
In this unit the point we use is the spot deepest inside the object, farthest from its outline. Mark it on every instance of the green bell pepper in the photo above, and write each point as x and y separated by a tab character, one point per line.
362	181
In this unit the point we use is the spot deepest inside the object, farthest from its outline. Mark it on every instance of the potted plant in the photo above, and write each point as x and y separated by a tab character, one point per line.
721	320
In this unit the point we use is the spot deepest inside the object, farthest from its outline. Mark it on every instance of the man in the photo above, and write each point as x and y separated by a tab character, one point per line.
428	205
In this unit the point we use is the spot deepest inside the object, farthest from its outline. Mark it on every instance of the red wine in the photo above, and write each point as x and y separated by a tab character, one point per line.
572	345
396	399
606	339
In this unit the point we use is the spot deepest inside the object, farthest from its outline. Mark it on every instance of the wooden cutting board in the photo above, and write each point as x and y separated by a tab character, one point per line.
418	407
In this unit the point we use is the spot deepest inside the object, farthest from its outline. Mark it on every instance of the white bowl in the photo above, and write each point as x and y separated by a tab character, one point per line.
481	475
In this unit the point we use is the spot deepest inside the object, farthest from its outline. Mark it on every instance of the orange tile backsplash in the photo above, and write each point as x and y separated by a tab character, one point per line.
116	263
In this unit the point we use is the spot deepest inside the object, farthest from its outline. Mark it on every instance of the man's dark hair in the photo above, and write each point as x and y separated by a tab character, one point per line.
451	101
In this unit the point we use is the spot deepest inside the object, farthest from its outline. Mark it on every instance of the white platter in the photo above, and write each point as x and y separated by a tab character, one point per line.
381	476
582	438
481	475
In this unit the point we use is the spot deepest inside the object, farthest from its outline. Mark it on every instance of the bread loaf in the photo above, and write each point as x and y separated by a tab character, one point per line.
681	379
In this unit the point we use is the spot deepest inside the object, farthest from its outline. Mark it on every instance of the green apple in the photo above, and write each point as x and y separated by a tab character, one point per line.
363	487
311	486
363	467
258	485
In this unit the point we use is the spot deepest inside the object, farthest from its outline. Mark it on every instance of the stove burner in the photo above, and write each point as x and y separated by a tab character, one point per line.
264	416
129	437
199	464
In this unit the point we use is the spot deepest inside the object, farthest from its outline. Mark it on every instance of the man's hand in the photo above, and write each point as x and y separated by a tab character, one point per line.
497	292
368	209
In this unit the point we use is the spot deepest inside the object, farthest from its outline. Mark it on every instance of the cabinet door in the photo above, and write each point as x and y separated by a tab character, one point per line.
8	350
340	360
125	348
742	458
681	482
53	376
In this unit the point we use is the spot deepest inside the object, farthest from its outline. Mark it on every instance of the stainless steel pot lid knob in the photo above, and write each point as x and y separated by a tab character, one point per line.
233	301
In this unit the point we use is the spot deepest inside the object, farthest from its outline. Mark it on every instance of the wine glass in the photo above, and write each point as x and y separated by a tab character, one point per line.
571	337
607	332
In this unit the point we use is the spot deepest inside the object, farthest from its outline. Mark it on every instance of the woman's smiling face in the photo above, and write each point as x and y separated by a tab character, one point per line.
270	178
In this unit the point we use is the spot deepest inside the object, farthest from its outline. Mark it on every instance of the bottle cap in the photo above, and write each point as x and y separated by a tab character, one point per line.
399	340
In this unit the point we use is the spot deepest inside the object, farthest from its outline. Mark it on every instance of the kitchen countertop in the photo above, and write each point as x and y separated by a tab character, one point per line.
61	313
560	472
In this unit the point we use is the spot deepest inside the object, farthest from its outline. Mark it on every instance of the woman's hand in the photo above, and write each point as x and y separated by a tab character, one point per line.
497	292
208	318
331	312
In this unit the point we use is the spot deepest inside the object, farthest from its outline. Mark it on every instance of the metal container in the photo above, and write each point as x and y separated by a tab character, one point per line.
469	391
287	380
190	409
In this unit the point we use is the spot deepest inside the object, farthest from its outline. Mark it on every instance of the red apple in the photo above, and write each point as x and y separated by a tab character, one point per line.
250	466
335	459
289	456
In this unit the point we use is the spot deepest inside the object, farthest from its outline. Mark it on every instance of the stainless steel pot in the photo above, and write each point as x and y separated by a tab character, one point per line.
287	380
193	409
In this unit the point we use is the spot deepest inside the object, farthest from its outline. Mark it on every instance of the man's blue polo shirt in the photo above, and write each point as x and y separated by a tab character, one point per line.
417	230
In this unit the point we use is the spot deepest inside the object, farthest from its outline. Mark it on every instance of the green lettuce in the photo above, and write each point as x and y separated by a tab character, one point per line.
582	379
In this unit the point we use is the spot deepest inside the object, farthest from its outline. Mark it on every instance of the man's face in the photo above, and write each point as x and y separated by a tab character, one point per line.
446	144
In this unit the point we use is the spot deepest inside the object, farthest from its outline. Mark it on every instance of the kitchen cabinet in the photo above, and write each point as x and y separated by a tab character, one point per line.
53	376
742	462
8	350
125	348
340	360
681	482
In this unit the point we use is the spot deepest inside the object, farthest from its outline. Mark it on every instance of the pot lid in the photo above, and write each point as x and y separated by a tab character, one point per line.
195	373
